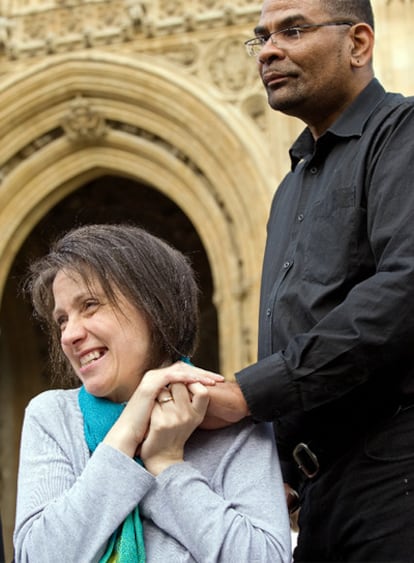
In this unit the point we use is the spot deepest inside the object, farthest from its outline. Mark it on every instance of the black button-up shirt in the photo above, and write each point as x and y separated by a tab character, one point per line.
336	332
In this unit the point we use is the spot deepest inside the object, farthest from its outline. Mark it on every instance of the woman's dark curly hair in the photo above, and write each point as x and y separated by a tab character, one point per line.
156	278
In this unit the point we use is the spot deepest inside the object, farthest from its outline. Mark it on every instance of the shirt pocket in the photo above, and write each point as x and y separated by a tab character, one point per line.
335	240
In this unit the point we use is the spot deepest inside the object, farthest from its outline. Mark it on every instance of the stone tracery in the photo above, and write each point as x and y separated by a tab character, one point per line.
241	146
75	24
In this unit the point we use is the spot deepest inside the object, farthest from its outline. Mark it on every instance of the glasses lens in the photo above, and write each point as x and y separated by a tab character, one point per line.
287	37
282	39
253	47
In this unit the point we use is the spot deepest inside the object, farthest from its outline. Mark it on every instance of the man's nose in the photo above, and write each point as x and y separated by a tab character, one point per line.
269	52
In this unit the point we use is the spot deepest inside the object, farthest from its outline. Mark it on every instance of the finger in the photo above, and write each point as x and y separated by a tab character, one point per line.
165	398
155	382
200	397
180	392
203	376
196	387
179	373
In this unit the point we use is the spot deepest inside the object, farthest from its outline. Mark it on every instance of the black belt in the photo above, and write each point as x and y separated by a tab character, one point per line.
312	458
307	460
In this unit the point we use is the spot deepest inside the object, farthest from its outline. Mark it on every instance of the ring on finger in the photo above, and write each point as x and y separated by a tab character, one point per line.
165	399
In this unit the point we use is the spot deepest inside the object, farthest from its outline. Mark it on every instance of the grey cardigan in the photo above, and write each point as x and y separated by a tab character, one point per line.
225	503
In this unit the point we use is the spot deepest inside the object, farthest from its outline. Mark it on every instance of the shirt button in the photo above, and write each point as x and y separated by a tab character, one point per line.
313	170
300	217
268	313
286	265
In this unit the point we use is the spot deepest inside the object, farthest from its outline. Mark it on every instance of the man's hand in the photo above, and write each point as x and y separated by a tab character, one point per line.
227	405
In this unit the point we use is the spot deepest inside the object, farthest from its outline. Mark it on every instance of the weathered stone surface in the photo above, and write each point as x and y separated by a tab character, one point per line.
147	110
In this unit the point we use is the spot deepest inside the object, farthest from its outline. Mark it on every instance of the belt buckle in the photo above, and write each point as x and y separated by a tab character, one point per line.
307	461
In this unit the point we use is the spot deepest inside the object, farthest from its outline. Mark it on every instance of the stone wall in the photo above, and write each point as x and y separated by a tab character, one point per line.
160	93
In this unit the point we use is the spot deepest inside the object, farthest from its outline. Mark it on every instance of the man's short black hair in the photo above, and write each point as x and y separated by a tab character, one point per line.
352	10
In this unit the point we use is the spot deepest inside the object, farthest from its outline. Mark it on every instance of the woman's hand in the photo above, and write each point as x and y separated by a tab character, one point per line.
130	429
177	413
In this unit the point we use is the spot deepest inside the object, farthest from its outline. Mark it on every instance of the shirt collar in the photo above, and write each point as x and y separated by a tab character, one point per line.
350	124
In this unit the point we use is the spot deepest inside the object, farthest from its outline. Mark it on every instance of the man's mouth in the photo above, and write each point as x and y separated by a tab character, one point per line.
272	77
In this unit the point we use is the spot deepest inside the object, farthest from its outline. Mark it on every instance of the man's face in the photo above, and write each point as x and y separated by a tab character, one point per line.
311	78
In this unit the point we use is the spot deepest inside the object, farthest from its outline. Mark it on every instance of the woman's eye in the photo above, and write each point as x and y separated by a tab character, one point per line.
60	321
91	305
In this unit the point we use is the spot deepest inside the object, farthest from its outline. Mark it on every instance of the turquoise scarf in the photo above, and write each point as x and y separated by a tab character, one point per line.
99	415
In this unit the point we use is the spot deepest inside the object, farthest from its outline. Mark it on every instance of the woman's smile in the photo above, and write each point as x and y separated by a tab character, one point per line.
107	346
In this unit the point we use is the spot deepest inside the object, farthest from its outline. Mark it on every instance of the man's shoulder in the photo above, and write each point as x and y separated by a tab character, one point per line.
395	100
376	106
393	109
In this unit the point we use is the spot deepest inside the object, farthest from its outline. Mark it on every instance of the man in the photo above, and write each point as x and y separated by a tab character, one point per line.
336	332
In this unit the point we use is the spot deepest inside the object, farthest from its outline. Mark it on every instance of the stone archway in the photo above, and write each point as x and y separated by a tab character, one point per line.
24	365
77	118
80	116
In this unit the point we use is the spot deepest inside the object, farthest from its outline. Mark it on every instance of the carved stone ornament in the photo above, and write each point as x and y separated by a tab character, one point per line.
5	28
228	66
45	27
82	123
255	106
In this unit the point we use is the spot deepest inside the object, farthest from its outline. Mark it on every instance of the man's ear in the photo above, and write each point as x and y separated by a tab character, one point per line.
362	44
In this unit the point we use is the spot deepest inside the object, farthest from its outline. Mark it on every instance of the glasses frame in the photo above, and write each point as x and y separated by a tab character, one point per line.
261	40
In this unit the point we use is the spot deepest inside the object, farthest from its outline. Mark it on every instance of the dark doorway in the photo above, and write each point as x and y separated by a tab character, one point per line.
23	347
111	199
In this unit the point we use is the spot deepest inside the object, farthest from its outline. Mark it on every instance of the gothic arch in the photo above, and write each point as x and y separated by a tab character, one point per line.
76	117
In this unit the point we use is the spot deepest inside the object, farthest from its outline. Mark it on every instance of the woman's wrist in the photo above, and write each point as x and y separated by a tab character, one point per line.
158	464
122	439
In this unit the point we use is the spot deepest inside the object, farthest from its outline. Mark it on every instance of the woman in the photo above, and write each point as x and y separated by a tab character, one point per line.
116	470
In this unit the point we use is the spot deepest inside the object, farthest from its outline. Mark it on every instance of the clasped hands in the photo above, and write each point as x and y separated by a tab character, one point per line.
166	407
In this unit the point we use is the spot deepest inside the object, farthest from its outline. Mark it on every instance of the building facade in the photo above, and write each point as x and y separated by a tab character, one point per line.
146	111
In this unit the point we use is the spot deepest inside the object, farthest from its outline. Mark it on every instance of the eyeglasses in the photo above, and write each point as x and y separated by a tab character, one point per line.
285	38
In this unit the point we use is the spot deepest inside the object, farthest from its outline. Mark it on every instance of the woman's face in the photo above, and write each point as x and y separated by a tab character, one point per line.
109	348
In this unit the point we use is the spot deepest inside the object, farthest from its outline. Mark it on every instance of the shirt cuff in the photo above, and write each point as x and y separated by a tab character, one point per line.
268	389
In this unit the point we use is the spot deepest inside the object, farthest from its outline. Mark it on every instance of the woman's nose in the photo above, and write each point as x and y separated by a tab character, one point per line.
73	331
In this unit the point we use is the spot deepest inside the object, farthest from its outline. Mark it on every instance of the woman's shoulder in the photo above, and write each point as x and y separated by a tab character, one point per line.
241	429
54	400
53	422
245	433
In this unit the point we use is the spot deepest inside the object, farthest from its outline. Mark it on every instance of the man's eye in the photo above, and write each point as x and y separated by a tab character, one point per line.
261	39
291	32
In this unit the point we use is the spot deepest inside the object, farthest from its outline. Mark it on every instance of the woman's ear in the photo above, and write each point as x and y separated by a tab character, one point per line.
362	46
